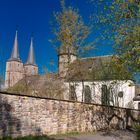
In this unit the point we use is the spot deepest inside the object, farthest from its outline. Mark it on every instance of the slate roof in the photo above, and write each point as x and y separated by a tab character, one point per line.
84	69
31	56
15	51
48	86
96	68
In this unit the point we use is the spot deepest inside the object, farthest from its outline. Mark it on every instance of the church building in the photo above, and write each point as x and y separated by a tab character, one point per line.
15	69
89	80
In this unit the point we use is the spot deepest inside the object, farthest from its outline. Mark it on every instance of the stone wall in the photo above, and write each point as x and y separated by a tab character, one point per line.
23	115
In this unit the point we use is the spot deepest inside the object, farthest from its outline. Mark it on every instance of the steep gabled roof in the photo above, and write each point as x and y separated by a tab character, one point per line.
48	86
97	68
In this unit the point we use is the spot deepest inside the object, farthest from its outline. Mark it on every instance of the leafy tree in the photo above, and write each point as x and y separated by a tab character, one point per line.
70	30
127	38
121	22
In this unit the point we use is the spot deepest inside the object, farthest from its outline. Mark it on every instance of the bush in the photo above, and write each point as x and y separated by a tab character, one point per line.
138	132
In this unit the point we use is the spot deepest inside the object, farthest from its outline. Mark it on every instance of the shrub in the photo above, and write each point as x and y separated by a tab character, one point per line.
138	132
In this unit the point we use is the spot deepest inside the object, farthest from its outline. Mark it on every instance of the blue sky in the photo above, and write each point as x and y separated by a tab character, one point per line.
34	16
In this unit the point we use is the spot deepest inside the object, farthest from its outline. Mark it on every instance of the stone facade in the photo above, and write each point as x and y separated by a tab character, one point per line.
23	115
63	63
30	69
14	73
15	70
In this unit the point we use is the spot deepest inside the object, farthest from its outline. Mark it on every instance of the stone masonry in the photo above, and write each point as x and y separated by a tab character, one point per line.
23	115
15	69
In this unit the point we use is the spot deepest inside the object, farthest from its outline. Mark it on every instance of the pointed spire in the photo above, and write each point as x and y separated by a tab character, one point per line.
31	57
15	51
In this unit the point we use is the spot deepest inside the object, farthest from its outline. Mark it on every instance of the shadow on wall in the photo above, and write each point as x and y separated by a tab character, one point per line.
114	118
130	119
70	117
9	125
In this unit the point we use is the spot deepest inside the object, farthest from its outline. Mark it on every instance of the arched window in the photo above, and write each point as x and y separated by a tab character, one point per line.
105	95
72	95
87	94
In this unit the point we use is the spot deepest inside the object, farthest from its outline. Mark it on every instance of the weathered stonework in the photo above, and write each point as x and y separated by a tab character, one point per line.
15	70
14	73
21	115
64	61
30	70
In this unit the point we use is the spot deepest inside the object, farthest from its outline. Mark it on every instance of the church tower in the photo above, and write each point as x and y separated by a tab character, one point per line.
30	67
14	66
66	56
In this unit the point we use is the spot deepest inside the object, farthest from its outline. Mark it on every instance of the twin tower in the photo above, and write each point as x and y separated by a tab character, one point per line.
15	69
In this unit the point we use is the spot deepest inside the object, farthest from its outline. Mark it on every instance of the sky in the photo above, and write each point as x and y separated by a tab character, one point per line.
32	17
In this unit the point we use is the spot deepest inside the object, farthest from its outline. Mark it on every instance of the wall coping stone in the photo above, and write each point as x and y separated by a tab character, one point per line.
53	99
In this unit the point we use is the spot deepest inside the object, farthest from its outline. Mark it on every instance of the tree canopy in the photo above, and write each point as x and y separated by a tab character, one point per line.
70	30
122	21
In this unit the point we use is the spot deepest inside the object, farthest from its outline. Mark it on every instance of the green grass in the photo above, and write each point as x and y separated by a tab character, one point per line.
69	134
43	137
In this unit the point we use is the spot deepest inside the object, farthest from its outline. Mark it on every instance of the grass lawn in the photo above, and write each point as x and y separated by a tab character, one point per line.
43	137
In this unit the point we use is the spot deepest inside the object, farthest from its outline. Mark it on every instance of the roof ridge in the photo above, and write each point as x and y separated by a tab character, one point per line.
96	57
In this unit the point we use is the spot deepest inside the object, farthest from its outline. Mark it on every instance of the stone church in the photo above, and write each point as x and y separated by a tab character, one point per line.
91	80
15	69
